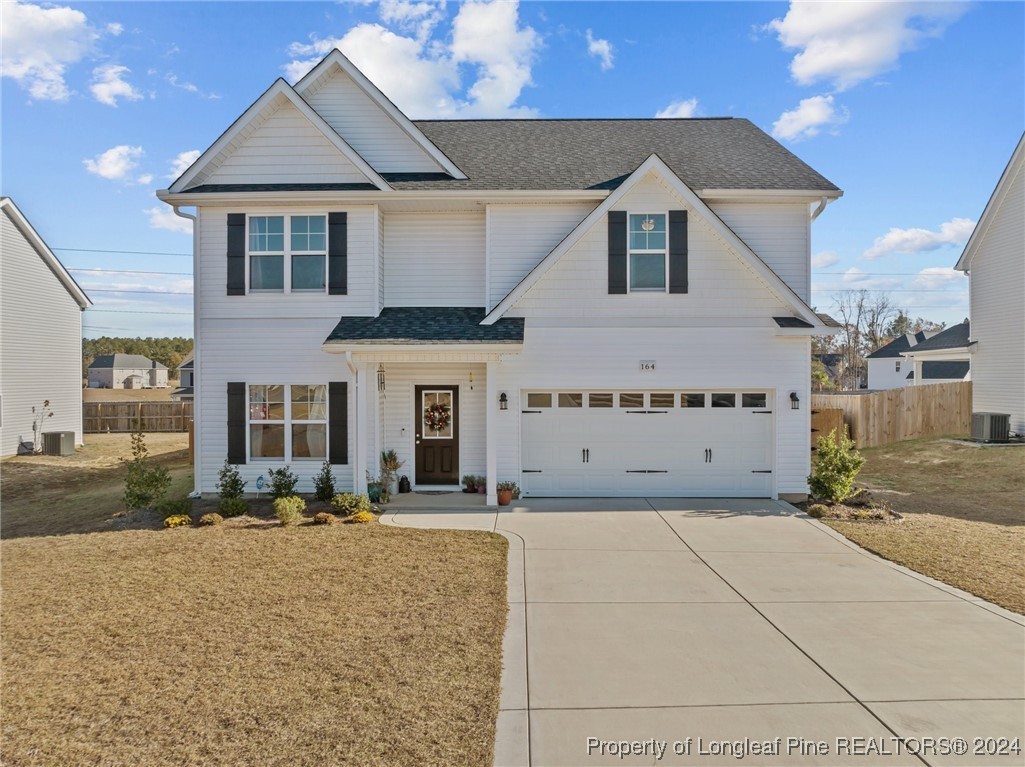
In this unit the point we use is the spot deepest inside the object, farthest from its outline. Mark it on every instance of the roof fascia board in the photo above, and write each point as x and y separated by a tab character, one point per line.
279	87
484	196
49	258
1012	169
733	241
336	57
766	195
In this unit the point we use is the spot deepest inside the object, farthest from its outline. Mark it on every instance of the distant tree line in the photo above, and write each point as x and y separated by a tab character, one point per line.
167	351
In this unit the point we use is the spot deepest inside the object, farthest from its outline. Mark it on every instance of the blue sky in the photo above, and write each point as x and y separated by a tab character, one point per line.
912	109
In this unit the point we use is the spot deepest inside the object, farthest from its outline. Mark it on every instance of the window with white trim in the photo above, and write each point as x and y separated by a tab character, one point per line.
647	247
287	254
896	366
288	422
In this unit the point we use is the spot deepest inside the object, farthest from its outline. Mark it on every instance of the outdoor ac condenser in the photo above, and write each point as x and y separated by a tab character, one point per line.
59	442
991	427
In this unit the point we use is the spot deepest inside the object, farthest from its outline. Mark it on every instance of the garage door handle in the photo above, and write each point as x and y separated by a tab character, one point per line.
762	471
531	471
762	412
530	411
647	471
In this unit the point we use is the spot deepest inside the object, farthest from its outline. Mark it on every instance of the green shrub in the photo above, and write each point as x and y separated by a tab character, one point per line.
178	520
233	507
348	504
837	463
229	482
145	482
282	482
171	507
362	517
324	483
324	518
211	519
289	509
817	510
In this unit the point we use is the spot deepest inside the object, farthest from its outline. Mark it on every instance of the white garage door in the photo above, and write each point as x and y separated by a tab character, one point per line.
644	443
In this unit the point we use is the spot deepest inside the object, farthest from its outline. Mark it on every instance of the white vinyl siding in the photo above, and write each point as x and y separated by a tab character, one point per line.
365	126
721	285
282	148
520	236
434	259
778	233
40	344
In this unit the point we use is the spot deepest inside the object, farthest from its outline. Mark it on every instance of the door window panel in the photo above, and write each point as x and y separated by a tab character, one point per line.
571	400
692	400
436	409
539	399
663	400
635	399
752	400
724	400
599	400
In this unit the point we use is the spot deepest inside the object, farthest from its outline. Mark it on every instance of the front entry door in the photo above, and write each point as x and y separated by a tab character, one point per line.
437	435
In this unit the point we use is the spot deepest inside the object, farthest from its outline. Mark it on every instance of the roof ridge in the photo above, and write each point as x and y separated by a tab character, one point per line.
573	119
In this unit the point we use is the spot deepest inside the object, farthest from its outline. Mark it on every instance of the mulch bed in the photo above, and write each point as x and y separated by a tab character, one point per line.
864	507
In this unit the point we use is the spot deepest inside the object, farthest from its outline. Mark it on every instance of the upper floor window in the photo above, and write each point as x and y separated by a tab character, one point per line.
287	253
647	247
897	366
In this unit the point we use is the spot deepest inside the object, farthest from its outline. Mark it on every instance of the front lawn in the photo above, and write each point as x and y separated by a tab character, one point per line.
964	515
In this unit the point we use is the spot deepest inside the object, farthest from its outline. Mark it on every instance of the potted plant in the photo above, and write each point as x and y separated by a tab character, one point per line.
374	489
506	491
390	465
471	483
482	485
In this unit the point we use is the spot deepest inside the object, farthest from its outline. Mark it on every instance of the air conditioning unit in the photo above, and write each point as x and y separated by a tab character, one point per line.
59	442
991	427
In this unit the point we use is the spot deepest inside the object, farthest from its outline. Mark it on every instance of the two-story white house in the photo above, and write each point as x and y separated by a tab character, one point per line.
887	366
559	303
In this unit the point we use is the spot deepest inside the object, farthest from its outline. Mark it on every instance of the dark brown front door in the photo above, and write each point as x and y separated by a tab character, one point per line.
436	411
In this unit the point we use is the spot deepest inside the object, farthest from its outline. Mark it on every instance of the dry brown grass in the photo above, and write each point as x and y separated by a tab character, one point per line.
317	645
964	515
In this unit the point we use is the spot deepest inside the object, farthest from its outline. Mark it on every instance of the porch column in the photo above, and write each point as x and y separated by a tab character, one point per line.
359	460
491	433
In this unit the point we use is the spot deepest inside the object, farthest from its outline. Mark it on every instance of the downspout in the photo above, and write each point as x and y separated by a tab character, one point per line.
356	462
197	462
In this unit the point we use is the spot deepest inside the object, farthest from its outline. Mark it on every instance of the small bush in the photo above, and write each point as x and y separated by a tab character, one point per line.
324	518
348	504
837	463
145	483
178	520
233	507
229	482
174	507
362	517
324	483
289	510
282	482
211	519
817	510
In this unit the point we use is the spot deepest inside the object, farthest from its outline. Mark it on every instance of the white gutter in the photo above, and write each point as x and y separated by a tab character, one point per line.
370	198
196	406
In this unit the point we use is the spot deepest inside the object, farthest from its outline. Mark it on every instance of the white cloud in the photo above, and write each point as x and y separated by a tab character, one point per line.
163	217
181	163
940	277
116	163
40	43
115	29
685	108
808	119
144	179
600	48
916	240
418	17
422	75
824	259
846	43
109	85
861	280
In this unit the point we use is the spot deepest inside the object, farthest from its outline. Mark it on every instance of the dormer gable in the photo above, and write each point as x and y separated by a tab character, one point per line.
369	121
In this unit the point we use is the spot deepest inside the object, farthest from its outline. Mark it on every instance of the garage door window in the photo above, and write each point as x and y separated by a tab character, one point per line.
724	400
539	399
663	400
571	400
599	400
631	400
752	400
692	400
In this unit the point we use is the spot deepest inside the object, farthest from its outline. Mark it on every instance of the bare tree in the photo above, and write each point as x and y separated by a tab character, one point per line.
864	319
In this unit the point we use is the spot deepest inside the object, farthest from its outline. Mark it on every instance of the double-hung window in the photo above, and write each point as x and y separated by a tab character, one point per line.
288	253
647	248
288	422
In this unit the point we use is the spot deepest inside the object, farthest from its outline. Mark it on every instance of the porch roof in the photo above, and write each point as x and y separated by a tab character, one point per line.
423	325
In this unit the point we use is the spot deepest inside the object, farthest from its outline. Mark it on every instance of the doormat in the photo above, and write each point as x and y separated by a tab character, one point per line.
435	492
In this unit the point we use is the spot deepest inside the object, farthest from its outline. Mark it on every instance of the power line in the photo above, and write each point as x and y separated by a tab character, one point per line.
141	311
877	274
896	290
122	252
146	292
131	271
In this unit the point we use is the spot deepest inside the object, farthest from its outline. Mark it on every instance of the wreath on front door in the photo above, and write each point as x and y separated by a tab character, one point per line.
437	417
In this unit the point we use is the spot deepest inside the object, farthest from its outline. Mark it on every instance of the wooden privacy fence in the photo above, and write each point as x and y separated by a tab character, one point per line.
894	415
823	422
103	417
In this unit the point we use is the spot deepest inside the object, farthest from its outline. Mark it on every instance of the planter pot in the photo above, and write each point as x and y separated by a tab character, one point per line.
374	491
504	497
482	490
393	486
469	489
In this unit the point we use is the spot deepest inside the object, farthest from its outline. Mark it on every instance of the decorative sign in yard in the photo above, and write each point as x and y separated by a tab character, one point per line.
259	482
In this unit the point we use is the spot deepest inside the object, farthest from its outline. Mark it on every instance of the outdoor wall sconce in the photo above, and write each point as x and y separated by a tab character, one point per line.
503	401
795	402
381	383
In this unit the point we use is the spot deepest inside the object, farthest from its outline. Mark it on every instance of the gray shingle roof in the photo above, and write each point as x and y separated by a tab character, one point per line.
896	346
955	369
122	361
426	325
954	337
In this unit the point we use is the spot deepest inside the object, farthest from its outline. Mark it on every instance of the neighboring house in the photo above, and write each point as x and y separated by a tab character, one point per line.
943	358
559	303
126	371
186	381
41	309
994	260
887	367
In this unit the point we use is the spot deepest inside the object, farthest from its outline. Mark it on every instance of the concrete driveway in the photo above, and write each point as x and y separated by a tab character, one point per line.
668	631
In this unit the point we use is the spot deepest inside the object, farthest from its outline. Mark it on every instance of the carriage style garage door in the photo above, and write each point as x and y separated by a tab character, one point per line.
654	443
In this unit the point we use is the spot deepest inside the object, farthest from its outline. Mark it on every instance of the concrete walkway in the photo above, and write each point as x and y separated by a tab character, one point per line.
639	623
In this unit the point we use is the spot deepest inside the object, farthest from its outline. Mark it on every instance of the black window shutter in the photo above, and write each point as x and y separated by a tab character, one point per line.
337	254
236	423
236	254
338	426
677	251
617	251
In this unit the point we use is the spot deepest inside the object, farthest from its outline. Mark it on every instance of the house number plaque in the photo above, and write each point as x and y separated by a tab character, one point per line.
647	366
